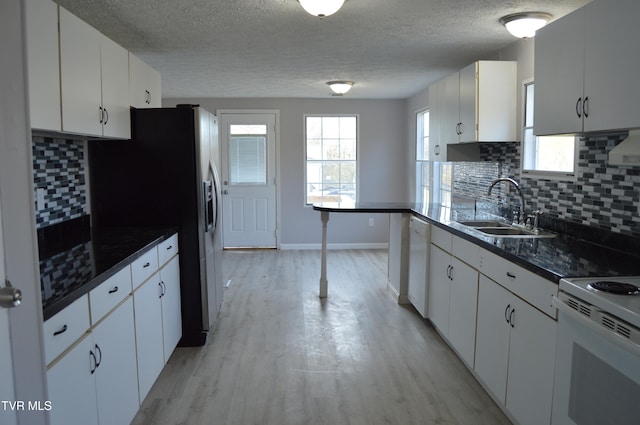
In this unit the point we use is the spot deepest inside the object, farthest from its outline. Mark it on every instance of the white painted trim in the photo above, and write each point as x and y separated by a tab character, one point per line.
276	112
334	246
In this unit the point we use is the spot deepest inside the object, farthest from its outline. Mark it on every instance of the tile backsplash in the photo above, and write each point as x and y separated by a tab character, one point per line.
602	196
60	182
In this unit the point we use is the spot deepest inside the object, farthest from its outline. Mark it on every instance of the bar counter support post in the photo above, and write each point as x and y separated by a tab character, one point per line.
324	217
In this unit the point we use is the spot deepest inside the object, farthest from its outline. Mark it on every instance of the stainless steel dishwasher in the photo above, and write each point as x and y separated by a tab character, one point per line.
419	242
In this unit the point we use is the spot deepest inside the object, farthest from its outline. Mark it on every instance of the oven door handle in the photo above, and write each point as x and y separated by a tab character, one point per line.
606	333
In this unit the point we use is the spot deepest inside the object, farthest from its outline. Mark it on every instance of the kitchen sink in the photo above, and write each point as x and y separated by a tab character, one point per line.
484	223
515	232
501	229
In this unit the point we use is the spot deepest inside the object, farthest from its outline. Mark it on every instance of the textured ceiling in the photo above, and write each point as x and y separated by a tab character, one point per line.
273	48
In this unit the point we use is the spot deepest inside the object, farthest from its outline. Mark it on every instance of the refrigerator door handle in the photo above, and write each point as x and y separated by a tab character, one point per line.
208	204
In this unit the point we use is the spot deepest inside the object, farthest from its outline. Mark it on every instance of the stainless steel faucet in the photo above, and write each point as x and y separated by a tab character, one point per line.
522	217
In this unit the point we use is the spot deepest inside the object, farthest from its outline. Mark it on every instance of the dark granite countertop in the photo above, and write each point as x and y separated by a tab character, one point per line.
69	272
552	258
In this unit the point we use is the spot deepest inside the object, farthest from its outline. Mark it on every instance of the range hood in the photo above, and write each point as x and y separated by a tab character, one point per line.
627	152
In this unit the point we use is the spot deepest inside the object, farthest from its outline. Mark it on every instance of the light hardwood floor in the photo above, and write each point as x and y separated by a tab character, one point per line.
280	355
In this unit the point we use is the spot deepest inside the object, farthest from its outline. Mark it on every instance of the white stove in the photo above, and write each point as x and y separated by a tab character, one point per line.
597	379
618	296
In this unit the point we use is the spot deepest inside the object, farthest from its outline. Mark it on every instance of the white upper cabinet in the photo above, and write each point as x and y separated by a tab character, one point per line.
80	76
84	110
476	104
451	107
611	65
559	76
585	72
146	85
495	102
80	81
43	64
115	89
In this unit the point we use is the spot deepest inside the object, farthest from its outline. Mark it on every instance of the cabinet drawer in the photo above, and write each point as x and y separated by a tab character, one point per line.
167	249
109	293
144	267
523	283
64	328
441	238
465	251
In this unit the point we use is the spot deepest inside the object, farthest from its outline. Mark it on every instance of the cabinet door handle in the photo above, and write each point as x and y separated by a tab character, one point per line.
585	107
163	289
106	115
579	107
506	315
461	128
169	247
511	275
114	290
94	363
512	317
146	265
451	273
100	115
99	360
61	331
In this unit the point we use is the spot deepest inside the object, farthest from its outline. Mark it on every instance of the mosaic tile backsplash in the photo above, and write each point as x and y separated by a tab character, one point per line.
59	172
603	196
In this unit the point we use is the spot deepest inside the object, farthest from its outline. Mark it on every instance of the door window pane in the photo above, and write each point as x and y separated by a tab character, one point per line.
247	160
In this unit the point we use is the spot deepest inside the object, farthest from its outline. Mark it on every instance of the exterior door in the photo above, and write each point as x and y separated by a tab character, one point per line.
248	179
7	413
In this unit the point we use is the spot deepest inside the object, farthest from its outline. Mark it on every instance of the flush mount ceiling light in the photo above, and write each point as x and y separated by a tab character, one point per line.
525	25
340	87
321	8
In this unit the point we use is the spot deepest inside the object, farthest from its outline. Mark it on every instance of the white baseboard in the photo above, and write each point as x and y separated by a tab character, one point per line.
333	246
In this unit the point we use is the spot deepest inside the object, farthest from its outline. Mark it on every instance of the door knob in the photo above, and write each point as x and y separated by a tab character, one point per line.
225	191
10	296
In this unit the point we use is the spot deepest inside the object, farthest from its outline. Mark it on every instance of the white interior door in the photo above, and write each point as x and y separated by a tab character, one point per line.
7	412
248	179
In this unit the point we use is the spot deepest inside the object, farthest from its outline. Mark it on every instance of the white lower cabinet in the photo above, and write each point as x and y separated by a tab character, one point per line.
158	323
439	288
462	310
105	350
453	290
95	382
171	310
148	311
72	386
515	353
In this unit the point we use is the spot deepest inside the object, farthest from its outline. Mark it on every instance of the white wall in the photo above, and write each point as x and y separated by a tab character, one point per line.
521	51
382	162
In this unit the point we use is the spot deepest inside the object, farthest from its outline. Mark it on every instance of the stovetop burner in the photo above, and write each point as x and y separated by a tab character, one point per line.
613	287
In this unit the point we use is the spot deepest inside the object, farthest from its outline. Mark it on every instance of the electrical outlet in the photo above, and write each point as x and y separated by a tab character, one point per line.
371	222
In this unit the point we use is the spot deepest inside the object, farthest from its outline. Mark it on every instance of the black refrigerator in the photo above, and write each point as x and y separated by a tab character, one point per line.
166	175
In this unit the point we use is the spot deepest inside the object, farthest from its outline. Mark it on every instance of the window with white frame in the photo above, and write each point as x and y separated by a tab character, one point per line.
331	158
422	157
550	156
